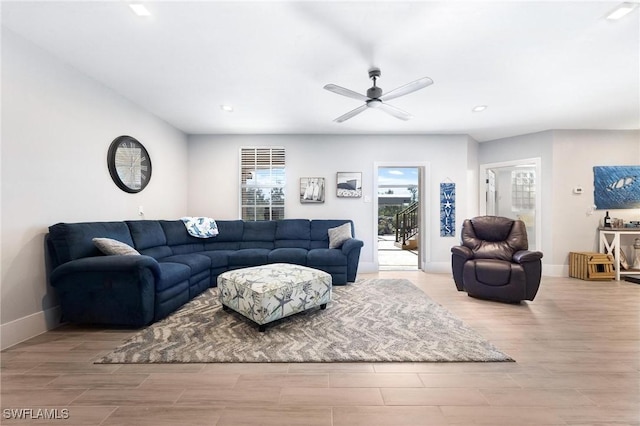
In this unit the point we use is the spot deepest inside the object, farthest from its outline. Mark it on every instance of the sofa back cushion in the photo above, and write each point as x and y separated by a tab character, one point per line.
179	239
229	236
259	234
293	233
70	241
320	231
149	238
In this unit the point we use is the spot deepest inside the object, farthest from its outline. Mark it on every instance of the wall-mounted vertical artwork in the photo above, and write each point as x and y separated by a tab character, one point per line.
616	187
349	184
312	190
447	209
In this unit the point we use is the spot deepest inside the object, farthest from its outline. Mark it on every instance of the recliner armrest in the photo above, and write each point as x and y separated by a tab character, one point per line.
524	256
462	251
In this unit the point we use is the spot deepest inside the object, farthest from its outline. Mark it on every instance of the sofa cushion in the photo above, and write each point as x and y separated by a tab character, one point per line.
222	245
267	245
73	240
249	257
195	261
147	234
172	274
219	258
259	231
326	257
178	239
293	233
110	247
229	230
297	256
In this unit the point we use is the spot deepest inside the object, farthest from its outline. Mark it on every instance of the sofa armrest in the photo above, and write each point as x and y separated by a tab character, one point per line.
524	256
107	290
462	251
106	265
350	244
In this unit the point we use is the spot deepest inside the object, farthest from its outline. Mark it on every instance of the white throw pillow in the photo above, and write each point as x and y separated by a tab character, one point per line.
338	235
109	246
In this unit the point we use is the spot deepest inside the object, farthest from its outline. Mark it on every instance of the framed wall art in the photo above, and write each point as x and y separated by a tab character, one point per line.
616	187
349	184
447	209
312	190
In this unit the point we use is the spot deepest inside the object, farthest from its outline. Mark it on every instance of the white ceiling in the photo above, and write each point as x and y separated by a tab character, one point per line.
537	65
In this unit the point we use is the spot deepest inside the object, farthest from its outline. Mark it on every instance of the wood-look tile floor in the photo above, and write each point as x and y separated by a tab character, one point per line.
577	352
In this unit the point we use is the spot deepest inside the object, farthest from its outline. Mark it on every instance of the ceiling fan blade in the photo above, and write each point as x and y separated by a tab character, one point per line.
350	114
396	112
345	92
406	89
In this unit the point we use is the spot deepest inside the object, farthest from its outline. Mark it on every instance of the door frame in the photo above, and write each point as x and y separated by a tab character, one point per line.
424	180
482	191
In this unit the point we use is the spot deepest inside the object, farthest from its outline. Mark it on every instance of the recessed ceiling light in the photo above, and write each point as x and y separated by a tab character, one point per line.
620	11
479	108
140	9
227	108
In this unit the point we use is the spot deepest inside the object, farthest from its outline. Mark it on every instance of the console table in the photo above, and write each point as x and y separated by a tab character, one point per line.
610	243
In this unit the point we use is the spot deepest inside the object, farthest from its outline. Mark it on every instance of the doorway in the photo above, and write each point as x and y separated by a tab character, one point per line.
512	189
398	217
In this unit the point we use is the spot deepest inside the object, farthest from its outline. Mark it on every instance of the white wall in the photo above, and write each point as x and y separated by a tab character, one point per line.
567	158
214	179
575	152
57	125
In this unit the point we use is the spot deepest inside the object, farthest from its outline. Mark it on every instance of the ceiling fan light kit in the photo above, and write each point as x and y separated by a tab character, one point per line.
376	98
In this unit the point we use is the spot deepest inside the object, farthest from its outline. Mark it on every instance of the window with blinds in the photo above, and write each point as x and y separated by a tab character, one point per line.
262	181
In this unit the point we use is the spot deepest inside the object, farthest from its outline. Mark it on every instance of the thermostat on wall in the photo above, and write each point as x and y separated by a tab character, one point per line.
577	190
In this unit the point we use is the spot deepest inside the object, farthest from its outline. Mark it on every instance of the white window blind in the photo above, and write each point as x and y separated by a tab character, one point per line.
262	180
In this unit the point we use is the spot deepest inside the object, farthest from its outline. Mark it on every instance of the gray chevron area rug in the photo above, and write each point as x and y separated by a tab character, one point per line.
375	320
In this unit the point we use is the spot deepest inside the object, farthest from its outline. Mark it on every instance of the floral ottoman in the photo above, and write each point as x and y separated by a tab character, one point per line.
269	292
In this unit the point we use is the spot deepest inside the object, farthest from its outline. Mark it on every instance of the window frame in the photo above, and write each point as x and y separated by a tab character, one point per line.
267	167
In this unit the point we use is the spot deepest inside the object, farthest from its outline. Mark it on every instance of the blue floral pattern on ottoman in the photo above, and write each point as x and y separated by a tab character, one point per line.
270	292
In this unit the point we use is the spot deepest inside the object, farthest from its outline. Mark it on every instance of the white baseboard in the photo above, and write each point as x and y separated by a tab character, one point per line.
438	268
25	328
555	270
367	267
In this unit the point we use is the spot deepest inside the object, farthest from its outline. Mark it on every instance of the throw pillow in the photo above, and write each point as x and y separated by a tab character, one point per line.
110	246
338	235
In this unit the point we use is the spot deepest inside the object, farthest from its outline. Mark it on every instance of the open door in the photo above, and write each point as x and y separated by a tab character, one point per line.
512	190
399	189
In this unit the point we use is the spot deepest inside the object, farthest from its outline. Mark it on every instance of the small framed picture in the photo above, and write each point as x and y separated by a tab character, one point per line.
349	184
312	190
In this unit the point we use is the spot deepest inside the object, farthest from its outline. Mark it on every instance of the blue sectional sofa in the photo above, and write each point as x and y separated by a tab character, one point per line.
173	267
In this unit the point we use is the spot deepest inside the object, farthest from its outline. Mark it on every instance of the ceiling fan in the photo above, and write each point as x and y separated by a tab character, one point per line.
375	98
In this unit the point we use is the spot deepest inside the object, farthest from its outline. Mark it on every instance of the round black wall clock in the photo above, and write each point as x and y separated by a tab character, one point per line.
129	164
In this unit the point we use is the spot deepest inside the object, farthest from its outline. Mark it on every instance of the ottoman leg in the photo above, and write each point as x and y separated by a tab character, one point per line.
262	328
225	308
323	306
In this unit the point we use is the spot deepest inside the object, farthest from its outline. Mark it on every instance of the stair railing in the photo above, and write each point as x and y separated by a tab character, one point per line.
407	223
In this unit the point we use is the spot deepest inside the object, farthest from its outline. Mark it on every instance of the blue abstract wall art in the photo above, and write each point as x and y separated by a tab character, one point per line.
616	187
447	209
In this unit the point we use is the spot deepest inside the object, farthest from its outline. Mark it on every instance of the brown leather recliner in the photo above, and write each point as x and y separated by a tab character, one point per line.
494	262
